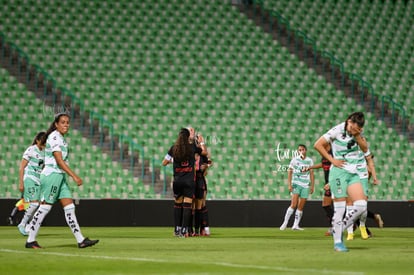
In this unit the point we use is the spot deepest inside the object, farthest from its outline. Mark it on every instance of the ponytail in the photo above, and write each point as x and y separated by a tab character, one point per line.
39	136
52	127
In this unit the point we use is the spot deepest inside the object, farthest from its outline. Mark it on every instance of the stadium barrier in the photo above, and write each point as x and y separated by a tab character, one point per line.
222	213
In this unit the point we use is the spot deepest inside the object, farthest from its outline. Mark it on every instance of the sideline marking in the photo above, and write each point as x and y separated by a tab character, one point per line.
135	259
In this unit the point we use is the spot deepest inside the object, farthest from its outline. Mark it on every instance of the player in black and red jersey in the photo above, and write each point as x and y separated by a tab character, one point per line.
201	225
182	155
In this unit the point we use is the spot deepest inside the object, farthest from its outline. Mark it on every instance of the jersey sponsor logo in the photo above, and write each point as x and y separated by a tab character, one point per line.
184	169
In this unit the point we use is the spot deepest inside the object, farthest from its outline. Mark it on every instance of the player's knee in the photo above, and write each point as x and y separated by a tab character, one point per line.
179	200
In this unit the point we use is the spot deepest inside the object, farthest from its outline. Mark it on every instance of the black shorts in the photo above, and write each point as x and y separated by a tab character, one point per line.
327	192
200	187
326	174
183	188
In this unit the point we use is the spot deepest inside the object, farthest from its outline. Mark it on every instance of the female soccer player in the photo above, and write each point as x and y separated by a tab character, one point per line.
201	226
54	186
29	178
182	155
301	183
346	141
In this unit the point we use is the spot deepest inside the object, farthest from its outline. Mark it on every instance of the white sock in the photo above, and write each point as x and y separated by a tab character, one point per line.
350	229
363	218
298	217
37	220
29	213
337	224
360	206
288	214
73	222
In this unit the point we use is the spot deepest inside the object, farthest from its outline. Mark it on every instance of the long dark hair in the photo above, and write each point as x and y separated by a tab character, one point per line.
182	148
356	117
39	137
52	126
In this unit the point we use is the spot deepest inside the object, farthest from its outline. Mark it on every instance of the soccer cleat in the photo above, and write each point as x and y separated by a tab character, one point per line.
86	242
10	221
283	226
350	237
369	233
297	228
22	230
379	220
329	232
340	247
33	245
205	232
364	233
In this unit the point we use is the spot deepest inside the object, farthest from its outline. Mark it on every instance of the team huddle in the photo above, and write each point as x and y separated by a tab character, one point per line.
190	160
346	159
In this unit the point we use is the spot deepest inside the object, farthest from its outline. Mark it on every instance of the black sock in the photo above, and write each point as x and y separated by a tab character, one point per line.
329	212
186	217
191	222
371	215
178	213
197	220
204	217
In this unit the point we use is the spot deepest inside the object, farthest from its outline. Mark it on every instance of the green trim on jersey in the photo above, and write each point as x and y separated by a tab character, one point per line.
297	165
55	143
35	158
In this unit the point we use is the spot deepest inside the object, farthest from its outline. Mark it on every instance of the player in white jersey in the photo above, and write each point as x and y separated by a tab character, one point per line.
29	179
53	183
346	140
362	171
301	183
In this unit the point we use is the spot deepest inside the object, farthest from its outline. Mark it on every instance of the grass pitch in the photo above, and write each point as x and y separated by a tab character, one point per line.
153	250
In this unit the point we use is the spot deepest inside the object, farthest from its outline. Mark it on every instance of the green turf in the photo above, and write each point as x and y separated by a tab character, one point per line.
148	250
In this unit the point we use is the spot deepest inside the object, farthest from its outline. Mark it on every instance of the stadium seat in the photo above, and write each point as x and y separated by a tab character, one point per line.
246	90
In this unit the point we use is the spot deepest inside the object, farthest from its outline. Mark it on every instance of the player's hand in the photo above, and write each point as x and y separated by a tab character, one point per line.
338	163
375	181
312	189
326	187
21	187
200	138
356	130
78	180
290	188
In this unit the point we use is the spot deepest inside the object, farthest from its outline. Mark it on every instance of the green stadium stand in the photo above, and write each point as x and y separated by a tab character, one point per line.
152	68
373	38
22	116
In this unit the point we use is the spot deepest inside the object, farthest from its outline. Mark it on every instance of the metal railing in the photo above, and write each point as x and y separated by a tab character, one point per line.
336	64
42	79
